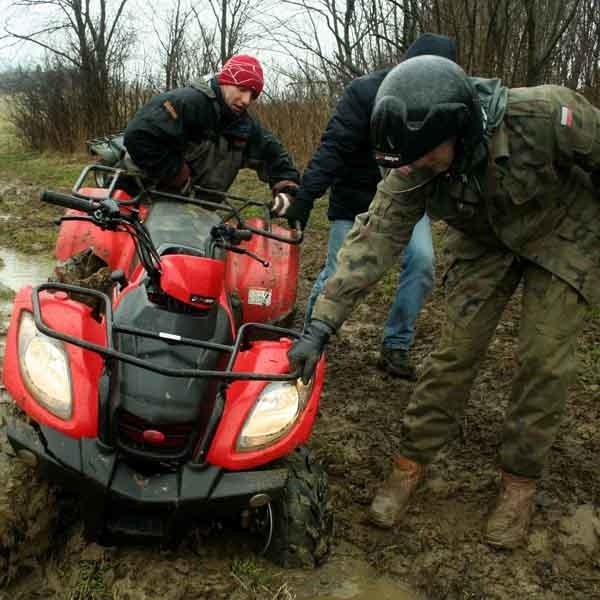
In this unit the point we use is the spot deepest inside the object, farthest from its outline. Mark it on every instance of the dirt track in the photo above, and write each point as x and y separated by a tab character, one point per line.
438	550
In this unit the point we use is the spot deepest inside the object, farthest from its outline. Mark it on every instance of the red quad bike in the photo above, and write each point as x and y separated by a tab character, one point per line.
171	402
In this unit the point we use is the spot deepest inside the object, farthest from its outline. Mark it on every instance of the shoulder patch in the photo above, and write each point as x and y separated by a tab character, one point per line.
170	109
566	116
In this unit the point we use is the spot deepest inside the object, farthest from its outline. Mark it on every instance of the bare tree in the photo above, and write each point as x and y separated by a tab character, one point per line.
231	30
517	40
343	40
173	42
85	35
546	23
577	59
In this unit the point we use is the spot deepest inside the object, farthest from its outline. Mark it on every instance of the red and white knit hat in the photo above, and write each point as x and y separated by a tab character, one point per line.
242	70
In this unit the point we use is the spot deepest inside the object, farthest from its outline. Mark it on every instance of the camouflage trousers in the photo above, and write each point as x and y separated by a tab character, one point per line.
552	315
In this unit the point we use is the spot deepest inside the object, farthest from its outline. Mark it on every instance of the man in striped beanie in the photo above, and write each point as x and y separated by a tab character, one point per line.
244	72
202	134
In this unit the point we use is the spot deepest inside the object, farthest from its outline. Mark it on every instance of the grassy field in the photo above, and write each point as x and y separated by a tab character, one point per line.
29	224
18	163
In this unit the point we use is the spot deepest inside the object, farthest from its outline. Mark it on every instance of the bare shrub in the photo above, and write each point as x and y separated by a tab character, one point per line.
298	122
47	108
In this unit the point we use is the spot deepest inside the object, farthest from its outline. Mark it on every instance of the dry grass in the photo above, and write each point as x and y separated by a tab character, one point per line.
48	169
298	124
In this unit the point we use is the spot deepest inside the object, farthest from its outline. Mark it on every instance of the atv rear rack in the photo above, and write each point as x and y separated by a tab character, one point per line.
109	351
118	175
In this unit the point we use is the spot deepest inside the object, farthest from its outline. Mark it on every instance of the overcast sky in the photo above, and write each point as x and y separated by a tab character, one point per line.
25	20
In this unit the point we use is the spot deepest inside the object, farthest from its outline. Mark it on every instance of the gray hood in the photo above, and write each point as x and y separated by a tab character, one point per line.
492	97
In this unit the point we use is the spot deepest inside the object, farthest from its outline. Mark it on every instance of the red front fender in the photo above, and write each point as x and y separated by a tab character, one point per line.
72	318
262	357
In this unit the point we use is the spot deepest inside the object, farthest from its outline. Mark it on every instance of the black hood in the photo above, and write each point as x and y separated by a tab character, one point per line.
431	43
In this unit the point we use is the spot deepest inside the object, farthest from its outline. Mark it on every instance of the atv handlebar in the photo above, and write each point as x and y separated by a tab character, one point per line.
68	201
242	235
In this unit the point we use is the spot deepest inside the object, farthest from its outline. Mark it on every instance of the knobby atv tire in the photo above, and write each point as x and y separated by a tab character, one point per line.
303	516
28	512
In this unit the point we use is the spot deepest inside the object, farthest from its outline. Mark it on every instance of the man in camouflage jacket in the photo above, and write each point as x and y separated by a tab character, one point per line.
516	175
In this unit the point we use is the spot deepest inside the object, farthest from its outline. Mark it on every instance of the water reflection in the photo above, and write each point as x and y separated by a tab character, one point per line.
370	590
24	269
351	578
16	271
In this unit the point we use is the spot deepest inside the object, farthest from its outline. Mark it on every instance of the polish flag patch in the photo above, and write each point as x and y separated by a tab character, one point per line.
566	116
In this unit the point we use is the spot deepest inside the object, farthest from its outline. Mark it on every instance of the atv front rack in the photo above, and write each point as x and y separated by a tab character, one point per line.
109	350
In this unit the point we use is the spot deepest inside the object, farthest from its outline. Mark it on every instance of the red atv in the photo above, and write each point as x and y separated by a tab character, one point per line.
171	401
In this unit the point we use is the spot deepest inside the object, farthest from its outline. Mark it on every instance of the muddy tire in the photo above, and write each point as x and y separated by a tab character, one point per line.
303	516
28	512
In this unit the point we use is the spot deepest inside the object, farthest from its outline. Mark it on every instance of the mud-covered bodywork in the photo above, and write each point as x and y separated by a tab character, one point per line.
118	498
267	292
162	404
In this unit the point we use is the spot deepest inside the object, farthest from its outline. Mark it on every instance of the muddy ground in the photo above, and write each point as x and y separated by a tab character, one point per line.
438	552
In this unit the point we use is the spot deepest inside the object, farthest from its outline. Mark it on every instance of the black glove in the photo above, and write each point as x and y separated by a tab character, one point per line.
297	211
307	349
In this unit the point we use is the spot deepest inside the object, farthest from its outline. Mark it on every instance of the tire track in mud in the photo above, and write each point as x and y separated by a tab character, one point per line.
439	548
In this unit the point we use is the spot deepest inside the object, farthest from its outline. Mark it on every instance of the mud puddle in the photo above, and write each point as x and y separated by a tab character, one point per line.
17	270
354	580
20	269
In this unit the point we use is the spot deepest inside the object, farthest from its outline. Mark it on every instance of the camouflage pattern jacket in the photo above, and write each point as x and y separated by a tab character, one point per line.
535	193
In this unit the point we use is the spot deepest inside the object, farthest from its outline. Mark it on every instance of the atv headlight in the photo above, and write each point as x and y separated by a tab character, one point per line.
45	368
275	412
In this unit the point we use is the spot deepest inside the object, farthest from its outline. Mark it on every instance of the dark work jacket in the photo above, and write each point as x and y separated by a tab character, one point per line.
177	123
344	160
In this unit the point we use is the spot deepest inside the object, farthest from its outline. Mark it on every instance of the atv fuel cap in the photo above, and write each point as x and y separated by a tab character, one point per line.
152	436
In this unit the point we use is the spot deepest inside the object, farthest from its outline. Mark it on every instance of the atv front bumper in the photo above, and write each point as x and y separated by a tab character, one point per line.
117	498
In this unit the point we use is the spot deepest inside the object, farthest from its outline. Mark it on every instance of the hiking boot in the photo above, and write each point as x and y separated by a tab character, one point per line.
508	524
396	362
390	502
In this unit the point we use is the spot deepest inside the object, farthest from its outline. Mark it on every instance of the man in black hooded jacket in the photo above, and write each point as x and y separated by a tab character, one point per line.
344	162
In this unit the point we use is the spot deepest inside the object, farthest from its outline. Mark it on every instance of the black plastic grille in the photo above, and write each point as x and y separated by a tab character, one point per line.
178	437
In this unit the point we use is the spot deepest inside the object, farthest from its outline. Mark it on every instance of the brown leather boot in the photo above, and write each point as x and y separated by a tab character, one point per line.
508	524
392	498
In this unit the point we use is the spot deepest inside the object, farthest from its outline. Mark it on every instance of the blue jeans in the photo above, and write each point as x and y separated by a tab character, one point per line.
414	286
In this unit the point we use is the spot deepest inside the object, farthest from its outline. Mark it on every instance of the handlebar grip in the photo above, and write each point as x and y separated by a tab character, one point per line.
68	201
243	235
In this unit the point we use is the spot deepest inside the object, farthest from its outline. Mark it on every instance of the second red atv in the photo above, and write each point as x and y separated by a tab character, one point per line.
170	401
